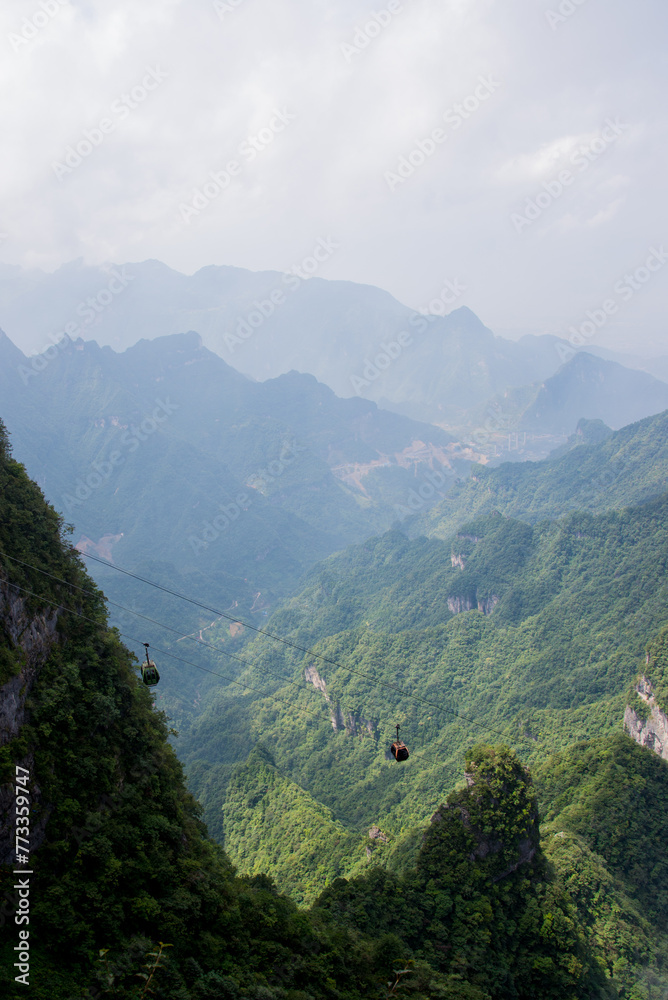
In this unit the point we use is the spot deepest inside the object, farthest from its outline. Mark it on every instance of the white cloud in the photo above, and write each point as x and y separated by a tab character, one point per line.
605	214
353	121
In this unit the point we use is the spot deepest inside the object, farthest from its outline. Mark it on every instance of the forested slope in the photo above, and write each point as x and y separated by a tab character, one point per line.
604	805
530	633
626	468
120	857
123	877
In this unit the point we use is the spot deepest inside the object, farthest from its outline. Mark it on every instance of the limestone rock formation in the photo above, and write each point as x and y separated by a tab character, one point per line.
650	729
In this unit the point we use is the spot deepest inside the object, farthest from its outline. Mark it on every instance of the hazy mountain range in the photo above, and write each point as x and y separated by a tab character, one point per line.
164	451
441	365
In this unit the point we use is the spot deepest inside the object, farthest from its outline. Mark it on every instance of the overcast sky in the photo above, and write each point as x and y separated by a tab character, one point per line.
316	102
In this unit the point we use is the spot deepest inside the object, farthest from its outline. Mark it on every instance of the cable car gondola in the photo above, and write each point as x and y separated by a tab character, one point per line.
149	671
398	749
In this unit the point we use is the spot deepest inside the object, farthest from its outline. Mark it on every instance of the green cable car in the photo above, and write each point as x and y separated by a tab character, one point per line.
149	671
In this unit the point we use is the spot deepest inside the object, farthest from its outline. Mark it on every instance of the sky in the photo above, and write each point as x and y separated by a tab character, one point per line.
515	146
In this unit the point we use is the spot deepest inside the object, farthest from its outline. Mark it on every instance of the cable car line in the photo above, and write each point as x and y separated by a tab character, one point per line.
310	652
153	621
424	754
169	628
163	652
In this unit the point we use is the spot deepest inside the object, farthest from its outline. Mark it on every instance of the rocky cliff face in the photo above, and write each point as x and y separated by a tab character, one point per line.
487	604
652	731
353	725
459	604
314	678
30	638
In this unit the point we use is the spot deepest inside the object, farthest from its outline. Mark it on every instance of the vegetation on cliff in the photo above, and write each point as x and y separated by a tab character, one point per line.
471	908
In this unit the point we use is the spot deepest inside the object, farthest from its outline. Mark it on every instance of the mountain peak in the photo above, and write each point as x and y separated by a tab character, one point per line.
591	387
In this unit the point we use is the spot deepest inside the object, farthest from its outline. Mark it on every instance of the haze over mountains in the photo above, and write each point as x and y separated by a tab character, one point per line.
596	389
164	450
254	481
524	602
443	367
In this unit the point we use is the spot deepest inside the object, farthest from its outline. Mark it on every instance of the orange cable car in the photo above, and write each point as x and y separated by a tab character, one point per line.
398	749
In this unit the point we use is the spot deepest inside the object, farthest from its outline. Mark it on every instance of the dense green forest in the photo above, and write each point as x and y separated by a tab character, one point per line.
571	607
127	885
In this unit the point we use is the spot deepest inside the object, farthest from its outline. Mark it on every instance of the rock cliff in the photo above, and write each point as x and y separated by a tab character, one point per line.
649	728
30	638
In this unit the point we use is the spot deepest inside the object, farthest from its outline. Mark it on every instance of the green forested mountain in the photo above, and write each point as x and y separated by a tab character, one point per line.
129	897
626	467
597	882
604	805
534	633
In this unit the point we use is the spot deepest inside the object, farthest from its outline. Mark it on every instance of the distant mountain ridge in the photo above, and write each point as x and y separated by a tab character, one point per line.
165	449
443	366
588	387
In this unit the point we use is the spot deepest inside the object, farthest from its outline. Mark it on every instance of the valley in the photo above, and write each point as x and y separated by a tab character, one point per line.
311	571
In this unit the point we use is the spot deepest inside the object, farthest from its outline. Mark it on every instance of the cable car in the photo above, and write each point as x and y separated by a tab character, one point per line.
149	671
398	749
